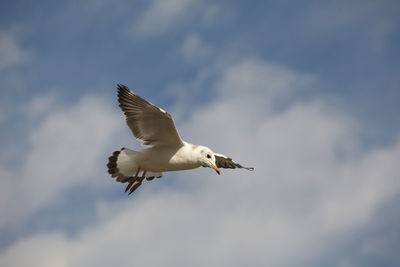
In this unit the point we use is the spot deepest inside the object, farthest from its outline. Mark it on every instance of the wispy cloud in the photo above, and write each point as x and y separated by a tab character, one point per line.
11	52
161	17
194	49
65	148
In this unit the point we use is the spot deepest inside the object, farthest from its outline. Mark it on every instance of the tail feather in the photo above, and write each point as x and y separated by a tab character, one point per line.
122	165
112	164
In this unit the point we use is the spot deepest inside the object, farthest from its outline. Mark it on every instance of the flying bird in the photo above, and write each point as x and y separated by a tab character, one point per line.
166	152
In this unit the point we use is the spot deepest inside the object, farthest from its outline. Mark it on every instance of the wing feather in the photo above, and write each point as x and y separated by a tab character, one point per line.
223	161
148	123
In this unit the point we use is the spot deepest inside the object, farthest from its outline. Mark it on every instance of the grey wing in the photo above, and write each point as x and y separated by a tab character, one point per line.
223	161
152	125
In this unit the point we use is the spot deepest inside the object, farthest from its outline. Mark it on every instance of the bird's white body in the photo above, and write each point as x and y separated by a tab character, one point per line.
164	159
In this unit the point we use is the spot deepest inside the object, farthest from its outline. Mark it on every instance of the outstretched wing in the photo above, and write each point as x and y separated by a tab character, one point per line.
152	125
223	161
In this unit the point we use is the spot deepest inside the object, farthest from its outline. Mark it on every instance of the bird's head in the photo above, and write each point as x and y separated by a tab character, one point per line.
206	158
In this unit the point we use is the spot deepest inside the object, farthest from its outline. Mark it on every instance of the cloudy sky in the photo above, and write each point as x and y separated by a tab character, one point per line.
307	92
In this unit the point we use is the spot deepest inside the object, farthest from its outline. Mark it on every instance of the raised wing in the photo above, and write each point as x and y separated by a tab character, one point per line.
152	125
223	161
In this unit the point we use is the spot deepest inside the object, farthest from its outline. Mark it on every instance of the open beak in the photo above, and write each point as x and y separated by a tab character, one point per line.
215	168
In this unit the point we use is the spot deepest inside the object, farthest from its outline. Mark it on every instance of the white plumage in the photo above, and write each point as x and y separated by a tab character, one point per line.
167	151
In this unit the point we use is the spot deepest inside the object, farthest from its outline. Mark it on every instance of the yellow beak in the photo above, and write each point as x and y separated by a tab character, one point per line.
215	168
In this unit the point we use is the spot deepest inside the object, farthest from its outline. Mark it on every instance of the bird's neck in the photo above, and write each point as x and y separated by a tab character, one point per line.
191	153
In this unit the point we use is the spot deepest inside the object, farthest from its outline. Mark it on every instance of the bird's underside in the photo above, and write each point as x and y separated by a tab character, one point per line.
138	177
167	152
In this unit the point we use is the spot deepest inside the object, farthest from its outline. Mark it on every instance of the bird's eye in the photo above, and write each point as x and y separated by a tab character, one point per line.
208	156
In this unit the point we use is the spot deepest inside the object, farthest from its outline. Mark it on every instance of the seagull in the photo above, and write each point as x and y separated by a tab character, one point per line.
166	150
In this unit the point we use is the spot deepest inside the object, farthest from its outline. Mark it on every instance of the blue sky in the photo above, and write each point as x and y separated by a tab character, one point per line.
306	91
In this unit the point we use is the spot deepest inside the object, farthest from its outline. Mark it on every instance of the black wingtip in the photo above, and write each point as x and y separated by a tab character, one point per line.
121	87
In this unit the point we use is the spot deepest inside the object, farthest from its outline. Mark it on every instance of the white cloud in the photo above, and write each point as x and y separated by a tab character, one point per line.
161	16
252	79
40	105
67	147
11	53
54	245
312	184
194	49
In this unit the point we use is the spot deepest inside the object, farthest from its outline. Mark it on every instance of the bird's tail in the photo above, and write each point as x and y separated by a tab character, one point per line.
123	165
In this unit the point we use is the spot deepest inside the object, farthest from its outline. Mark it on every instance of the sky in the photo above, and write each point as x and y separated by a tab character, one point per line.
306	92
